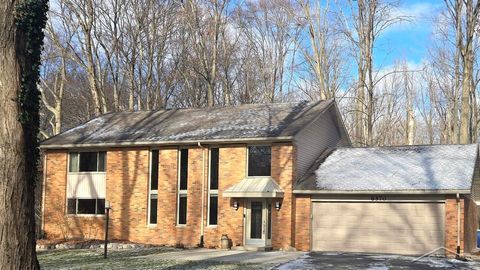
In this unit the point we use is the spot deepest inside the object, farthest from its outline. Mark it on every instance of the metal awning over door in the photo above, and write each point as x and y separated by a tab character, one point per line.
255	187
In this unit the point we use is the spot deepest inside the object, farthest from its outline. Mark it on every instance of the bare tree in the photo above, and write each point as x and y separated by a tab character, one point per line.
369	18
21	40
323	51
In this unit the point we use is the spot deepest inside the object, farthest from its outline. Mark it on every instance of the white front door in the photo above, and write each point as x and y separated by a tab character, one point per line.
258	223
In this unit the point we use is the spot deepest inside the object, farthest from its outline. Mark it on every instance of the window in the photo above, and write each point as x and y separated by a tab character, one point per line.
259	160
153	187
86	192
87	162
214	168
182	209
183	168
213	210
182	187
153	208
213	187
85	206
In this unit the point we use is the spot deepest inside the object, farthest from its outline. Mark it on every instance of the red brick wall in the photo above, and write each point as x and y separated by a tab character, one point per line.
127	190
57	225
471	225
230	221
303	210
127	186
283	172
451	224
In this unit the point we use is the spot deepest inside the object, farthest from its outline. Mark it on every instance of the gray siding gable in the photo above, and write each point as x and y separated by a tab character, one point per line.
324	132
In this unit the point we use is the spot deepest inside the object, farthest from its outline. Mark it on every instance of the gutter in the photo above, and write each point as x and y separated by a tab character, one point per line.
458	227
165	143
346	192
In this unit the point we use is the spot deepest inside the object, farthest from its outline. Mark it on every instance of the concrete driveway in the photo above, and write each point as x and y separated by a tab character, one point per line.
262	260
350	261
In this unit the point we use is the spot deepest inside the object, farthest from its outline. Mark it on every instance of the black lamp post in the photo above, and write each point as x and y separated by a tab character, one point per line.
107	214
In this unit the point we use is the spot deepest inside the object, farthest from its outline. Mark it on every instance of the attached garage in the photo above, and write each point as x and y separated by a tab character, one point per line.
398	200
400	227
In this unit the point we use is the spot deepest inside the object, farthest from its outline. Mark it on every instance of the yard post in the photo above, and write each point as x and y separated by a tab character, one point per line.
107	214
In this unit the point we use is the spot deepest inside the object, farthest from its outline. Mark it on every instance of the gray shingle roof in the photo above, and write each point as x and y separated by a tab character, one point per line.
407	168
281	120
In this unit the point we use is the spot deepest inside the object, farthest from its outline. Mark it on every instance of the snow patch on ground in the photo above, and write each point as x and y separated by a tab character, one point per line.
300	263
378	266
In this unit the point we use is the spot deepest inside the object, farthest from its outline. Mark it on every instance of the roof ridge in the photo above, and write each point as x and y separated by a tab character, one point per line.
227	106
407	146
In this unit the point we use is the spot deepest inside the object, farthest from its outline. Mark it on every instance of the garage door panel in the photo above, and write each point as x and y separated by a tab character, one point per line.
404	228
385	234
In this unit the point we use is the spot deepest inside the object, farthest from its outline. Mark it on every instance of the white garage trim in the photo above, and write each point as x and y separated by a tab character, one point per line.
399	227
393	192
370	201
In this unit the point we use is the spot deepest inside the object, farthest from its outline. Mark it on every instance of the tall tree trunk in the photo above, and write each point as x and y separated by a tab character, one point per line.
91	68
20	47
453	132
471	15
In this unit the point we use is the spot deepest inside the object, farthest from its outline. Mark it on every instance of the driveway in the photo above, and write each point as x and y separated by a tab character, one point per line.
344	261
164	258
259	259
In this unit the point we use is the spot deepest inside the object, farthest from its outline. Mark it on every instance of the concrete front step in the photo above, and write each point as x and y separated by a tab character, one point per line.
252	248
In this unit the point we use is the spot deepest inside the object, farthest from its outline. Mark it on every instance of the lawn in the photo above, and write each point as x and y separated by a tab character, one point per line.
150	258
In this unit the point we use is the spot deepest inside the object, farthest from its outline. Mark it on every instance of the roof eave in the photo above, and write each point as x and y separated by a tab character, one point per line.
167	143
252	194
417	191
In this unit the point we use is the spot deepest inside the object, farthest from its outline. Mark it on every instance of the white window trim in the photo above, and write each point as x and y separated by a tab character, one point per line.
181	192
212	192
78	162
150	191
83	173
248	154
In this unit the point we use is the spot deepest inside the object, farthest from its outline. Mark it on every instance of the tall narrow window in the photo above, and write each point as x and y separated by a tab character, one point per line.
213	187
182	187
153	188
259	160
182	209
183	169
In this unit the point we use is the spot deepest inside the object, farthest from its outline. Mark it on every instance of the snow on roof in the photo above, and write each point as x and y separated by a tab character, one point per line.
434	167
226	123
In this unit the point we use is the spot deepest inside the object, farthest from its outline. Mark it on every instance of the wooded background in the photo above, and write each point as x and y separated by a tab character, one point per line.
104	56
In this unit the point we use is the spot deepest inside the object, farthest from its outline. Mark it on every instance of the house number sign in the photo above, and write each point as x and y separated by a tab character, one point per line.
378	198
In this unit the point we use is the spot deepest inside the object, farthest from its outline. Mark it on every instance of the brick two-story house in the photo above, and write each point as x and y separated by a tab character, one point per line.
252	172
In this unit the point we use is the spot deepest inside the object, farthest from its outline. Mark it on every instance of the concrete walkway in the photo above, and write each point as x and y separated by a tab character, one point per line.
271	258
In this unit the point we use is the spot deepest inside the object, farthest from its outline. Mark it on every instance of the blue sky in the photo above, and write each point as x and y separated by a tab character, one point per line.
410	40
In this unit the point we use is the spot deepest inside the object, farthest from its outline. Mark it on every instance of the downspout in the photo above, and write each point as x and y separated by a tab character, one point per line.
458	225
203	195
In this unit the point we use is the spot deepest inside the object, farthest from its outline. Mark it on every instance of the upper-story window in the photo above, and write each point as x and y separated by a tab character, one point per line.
153	189
259	160
182	187
213	187
87	162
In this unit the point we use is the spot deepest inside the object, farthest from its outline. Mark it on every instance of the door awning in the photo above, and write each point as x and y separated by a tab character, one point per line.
255	187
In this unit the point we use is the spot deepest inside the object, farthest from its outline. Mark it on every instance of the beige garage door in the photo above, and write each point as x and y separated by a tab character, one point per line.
400	228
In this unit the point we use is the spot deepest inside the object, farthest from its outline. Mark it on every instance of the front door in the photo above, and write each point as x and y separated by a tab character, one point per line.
258	232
